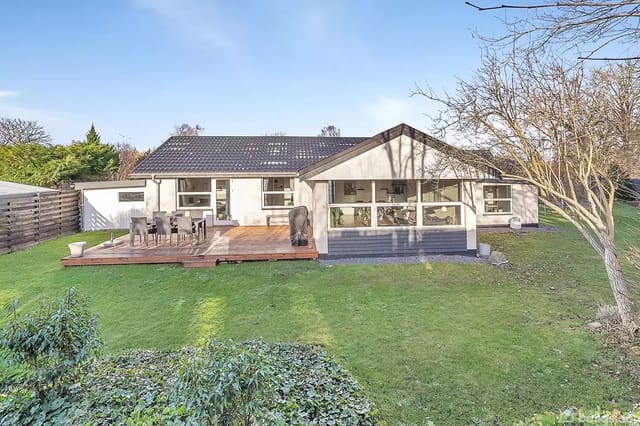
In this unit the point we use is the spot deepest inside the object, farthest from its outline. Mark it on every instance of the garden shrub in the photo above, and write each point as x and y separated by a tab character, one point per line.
297	384
44	352
222	383
52	377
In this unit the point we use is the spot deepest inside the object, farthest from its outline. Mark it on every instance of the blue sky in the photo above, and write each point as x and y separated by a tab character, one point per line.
136	68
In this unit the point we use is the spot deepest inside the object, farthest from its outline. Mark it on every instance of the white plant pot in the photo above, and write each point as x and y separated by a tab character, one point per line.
77	249
484	249
515	224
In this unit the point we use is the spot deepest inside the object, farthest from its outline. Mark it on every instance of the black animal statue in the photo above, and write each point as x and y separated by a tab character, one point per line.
298	220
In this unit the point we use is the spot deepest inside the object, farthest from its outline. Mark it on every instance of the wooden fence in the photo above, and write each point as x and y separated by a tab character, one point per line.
26	220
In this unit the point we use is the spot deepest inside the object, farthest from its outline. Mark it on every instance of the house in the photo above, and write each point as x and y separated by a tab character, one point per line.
400	192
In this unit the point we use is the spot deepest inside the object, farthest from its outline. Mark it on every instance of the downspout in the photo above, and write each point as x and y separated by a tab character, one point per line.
157	182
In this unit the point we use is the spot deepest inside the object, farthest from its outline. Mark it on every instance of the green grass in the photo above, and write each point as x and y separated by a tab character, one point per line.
446	342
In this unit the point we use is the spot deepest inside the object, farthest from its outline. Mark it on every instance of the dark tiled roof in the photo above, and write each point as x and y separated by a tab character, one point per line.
241	154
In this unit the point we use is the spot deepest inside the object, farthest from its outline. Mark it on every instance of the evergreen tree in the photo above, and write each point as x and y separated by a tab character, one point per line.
92	137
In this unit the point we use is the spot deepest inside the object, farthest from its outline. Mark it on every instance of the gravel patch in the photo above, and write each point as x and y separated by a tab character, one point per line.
403	260
524	230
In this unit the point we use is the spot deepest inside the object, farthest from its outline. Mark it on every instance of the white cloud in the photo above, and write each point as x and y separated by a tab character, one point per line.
199	21
6	94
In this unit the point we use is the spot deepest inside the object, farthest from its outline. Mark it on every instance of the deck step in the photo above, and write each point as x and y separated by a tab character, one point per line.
200	263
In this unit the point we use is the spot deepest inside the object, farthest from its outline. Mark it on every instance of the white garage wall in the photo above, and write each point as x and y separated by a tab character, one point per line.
101	209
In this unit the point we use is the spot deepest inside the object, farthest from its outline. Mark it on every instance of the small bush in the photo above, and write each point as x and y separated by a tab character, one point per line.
54	342
222	383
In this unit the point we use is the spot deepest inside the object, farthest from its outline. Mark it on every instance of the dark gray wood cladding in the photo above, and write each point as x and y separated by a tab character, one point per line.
395	242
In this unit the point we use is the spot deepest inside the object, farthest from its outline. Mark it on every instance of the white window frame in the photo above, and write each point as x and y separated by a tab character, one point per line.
131	201
419	205
485	200
179	193
291	192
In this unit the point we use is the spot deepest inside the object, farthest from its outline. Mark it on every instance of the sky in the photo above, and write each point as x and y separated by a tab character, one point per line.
137	68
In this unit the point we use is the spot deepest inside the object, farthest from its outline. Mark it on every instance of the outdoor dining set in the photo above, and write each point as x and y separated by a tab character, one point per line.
164	224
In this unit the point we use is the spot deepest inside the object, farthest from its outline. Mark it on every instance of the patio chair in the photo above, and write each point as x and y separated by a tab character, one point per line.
298	223
185	227
196	214
138	227
163	228
159	214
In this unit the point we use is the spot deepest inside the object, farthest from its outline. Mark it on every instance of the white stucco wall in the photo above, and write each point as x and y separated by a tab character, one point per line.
246	201
400	158
524	203
101	208
168	200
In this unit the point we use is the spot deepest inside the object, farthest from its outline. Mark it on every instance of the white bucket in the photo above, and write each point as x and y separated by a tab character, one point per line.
77	249
515	224
484	249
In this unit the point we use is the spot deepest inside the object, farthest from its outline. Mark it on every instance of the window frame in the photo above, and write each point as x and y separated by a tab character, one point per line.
180	193
120	200
419	206
485	200
291	192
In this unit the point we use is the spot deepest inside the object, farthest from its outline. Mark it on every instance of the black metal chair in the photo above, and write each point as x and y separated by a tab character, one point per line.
298	226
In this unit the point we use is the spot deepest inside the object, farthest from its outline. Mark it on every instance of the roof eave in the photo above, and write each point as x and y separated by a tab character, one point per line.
175	175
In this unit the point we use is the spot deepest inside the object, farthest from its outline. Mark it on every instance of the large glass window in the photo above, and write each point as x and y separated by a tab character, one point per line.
497	199
349	191
389	203
194	193
194	185
350	217
397	216
277	193
396	191
438	191
441	216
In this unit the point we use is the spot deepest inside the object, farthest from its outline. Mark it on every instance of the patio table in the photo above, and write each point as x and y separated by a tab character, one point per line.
200	224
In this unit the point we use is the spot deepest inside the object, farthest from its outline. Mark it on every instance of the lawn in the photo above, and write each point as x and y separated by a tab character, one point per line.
452	343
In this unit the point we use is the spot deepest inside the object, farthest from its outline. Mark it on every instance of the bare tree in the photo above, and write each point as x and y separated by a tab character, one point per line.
330	131
554	128
186	129
585	26
129	158
16	130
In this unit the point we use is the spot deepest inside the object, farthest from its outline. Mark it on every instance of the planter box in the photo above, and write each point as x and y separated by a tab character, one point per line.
77	249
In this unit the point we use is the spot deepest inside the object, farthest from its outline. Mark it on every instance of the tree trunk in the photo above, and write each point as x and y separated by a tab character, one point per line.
618	283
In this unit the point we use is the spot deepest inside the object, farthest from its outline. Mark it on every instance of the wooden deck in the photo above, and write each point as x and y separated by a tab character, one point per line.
223	244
